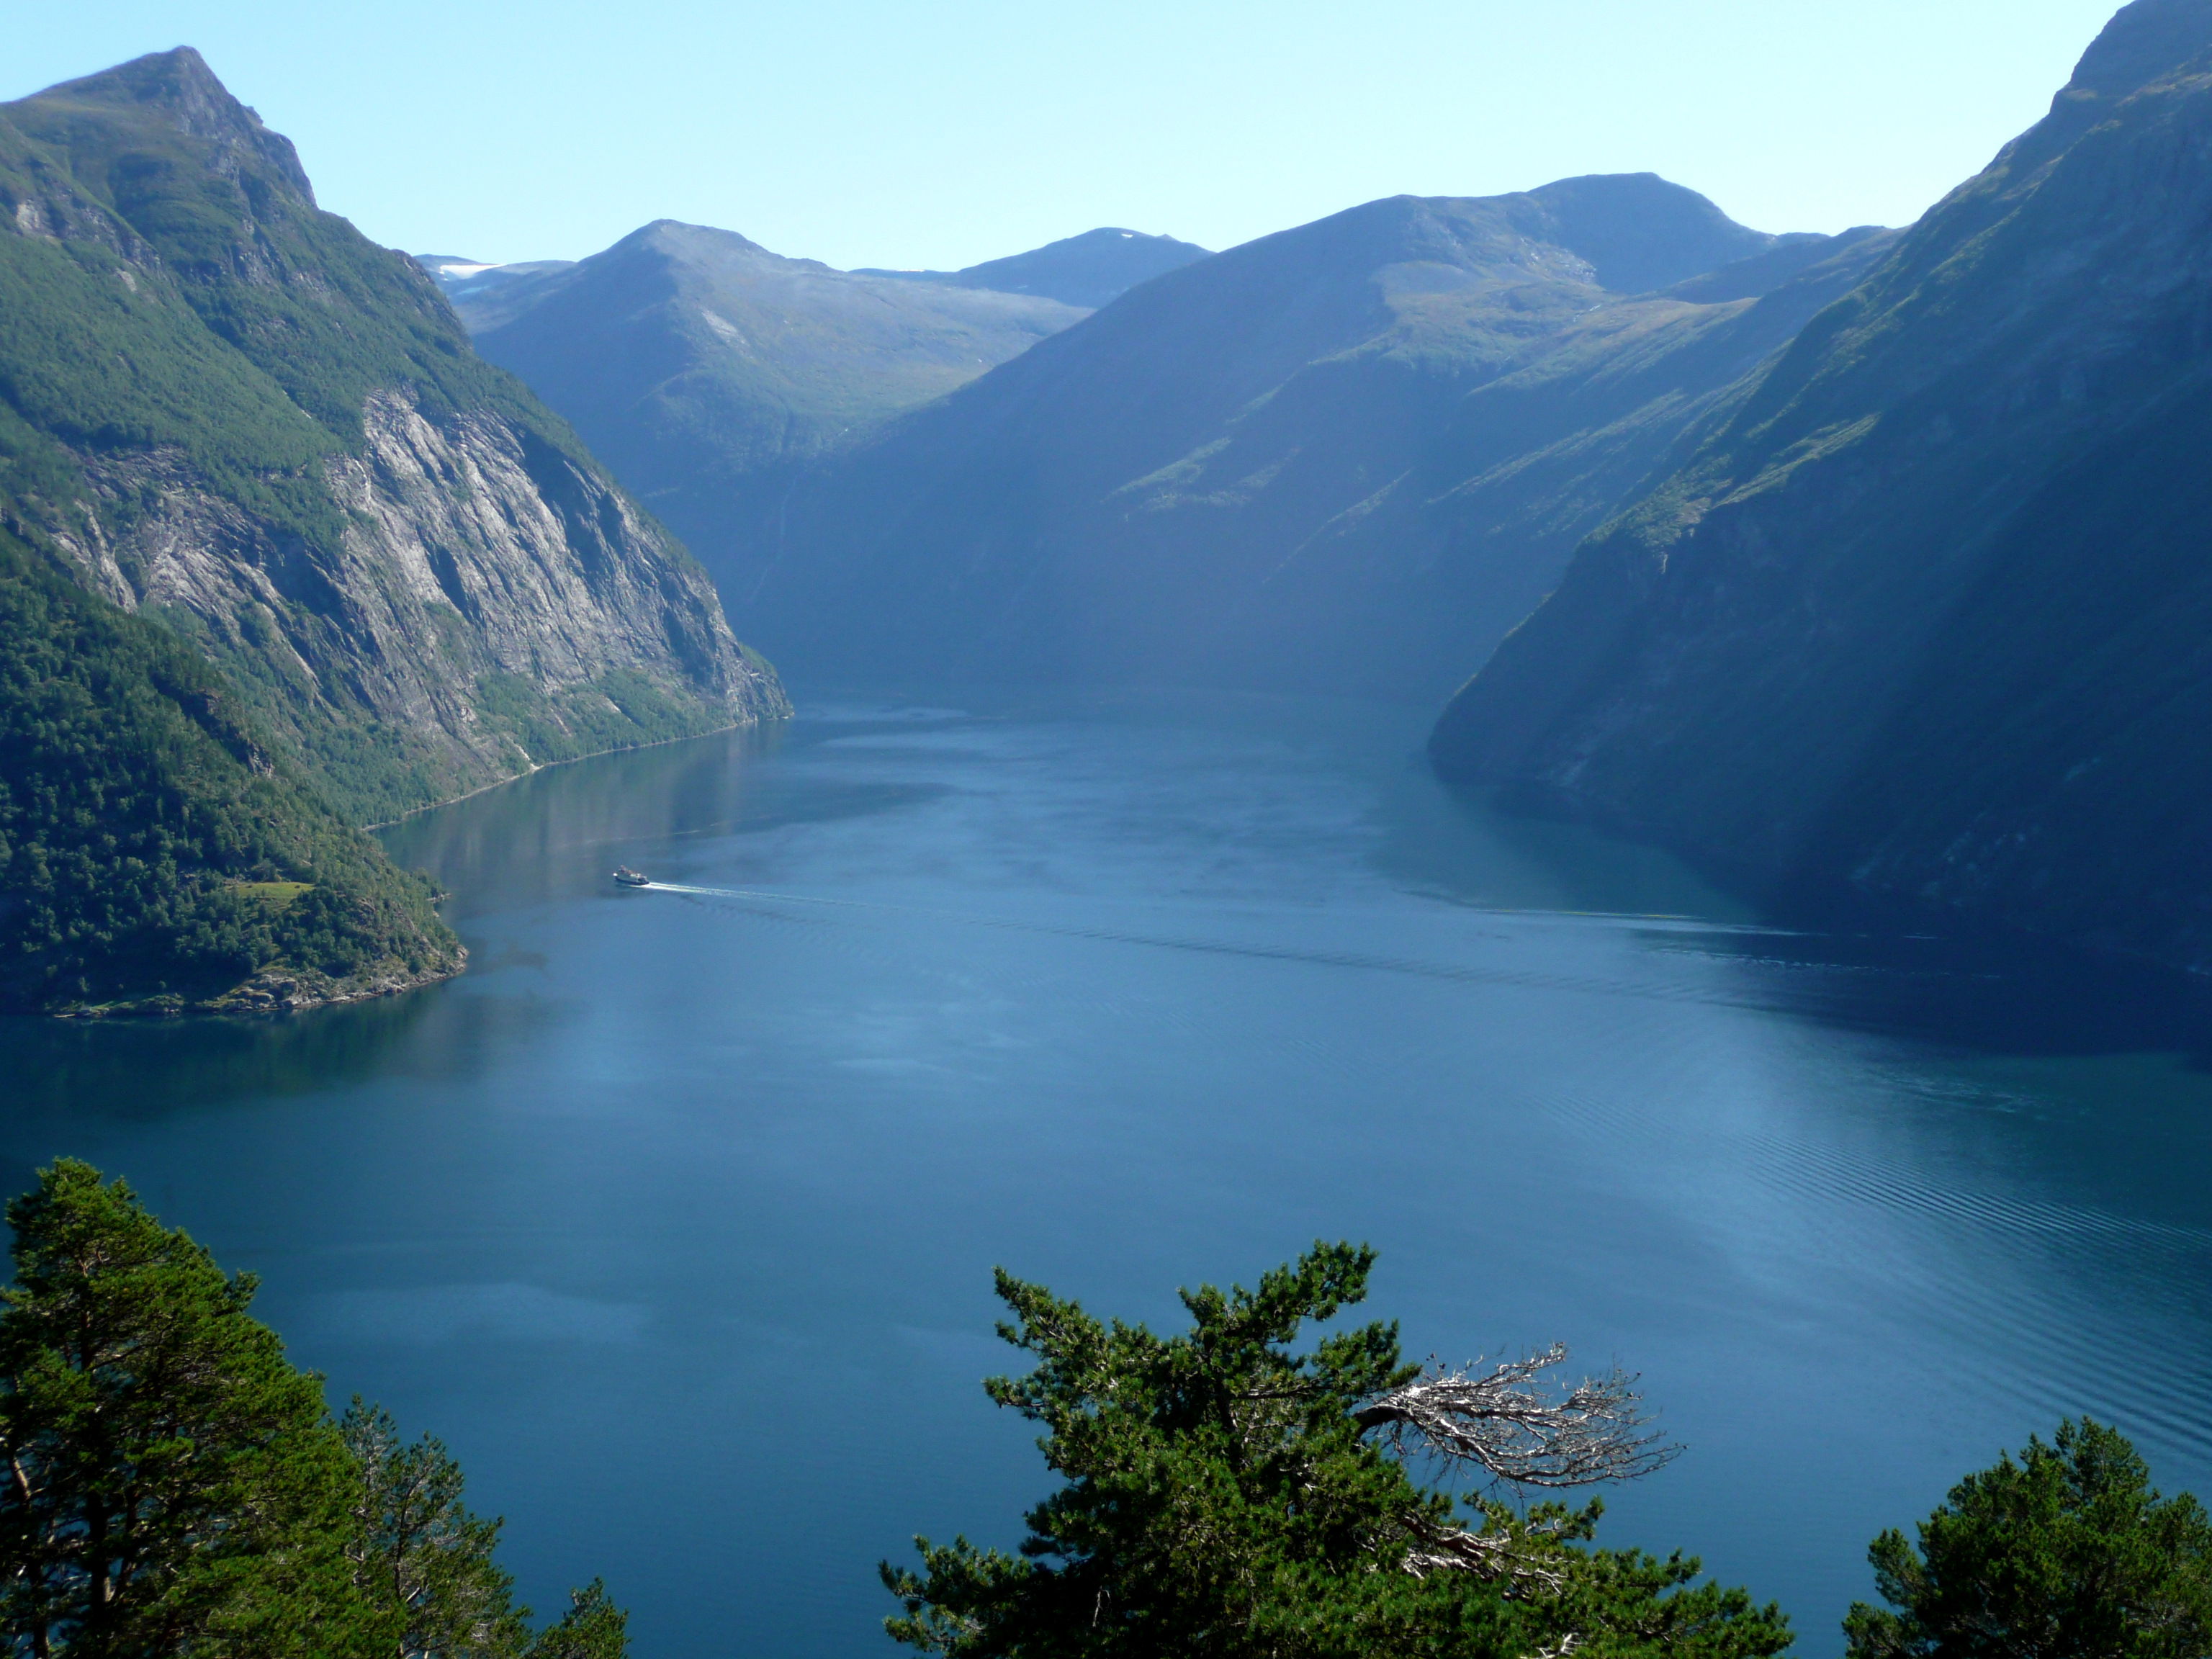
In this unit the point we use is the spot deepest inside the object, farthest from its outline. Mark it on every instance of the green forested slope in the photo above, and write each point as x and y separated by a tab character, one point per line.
1930	614
224	406
281	554
153	852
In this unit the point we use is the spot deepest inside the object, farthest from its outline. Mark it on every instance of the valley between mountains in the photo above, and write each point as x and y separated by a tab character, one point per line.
1655	770
1855	566
1869	562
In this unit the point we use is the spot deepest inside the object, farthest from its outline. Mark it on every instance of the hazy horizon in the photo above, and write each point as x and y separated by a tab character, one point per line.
865	134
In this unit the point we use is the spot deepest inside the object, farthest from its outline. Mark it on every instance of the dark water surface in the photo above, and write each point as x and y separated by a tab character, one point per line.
676	1216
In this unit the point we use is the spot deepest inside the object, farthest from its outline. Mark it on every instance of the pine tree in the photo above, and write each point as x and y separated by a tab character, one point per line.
1234	1493
175	1486
592	1628
422	1559
2068	1553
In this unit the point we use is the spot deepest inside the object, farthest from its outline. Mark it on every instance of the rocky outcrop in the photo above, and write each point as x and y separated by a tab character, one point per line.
416	577
475	558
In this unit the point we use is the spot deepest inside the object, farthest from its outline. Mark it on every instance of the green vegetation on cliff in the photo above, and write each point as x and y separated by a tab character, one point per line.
1261	1485
154	852
1242	1490
329	565
1248	1489
2067	1551
1930	613
224	406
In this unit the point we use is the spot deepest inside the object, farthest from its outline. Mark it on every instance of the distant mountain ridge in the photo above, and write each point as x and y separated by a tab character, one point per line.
706	370
464	279
1354	453
1090	271
1928	614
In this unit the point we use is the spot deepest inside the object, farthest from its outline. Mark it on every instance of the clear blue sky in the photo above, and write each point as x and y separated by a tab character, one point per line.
908	132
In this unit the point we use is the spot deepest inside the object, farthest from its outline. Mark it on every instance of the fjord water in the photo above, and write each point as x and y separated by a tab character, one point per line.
676	1215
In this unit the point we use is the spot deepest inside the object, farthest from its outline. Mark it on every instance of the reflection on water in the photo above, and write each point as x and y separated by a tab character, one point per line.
142	1069
1122	995
2005	995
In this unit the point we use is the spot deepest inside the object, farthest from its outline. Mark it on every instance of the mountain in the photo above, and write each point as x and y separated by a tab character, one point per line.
464	279
229	408
1930	613
1352	454
706	370
282	555
1085	270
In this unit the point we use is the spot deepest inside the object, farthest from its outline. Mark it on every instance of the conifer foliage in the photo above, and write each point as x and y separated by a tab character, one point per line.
175	1486
1223	1499
2067	1553
173	1480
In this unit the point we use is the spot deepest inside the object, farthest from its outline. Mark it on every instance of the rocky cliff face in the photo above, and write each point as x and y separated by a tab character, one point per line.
1351	455
1929	612
226	409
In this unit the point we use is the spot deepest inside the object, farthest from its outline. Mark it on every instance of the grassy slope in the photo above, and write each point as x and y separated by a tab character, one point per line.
145	828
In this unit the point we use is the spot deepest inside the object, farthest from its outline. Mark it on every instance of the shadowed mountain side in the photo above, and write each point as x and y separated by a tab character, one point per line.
1351	454
1085	270
1930	613
704	370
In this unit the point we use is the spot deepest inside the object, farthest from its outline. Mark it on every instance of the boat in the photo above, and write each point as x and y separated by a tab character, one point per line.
628	878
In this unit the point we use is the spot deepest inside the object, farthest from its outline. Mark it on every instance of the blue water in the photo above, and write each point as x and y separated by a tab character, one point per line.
675	1217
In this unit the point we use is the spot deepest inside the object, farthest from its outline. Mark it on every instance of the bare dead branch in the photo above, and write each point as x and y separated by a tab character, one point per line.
1513	1424
1492	1557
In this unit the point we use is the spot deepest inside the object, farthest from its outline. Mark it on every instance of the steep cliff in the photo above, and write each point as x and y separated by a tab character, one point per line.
155	854
1350	455
226	410
1932	612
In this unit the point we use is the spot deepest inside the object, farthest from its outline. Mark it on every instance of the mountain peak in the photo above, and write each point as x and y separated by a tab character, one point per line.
1088	270
1642	232
177	88
2145	41
680	234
